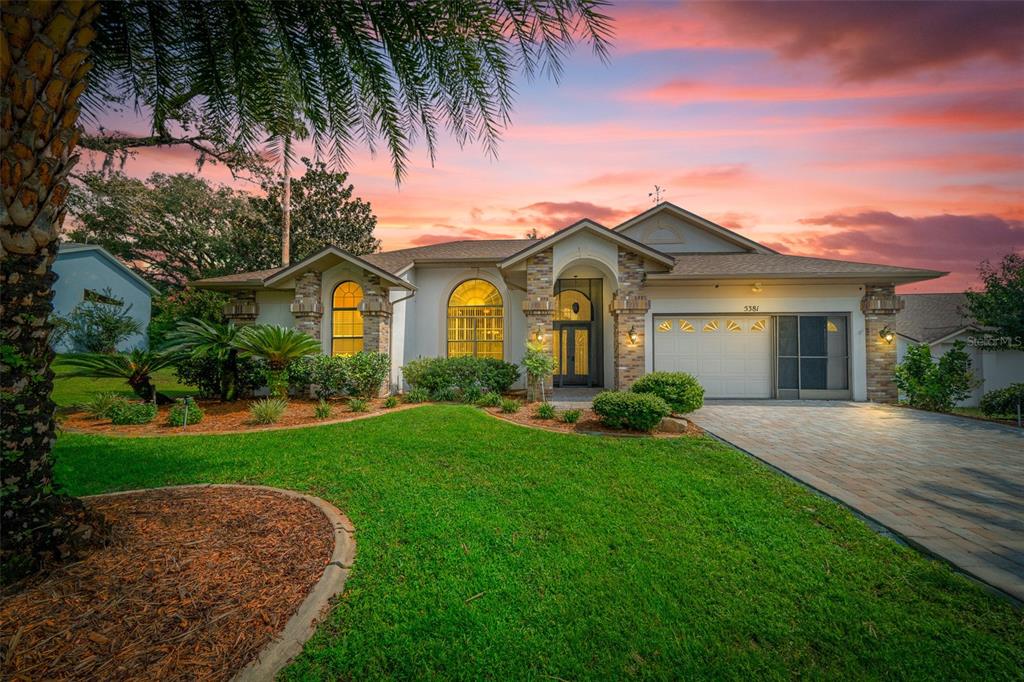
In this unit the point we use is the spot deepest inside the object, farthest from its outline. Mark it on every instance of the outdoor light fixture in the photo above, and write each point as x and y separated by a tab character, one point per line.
887	334
756	288
633	336
538	336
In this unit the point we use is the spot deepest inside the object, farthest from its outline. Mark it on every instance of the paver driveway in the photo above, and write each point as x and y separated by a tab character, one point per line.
952	485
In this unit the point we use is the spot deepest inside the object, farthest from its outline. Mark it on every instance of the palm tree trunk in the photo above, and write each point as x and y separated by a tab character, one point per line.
286	206
44	58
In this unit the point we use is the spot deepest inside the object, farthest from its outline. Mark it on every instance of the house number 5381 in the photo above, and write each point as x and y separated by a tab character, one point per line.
750	308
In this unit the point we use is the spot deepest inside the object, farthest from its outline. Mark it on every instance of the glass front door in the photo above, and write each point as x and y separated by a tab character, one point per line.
813	357
571	349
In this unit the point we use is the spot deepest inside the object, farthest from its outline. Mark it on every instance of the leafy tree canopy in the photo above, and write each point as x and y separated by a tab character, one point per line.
1000	304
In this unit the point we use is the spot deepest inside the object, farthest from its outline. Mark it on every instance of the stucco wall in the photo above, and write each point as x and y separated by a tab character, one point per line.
671	234
275	307
81	270
707	299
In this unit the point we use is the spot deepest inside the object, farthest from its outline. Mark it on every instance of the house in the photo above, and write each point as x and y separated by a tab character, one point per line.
665	290
90	272
940	320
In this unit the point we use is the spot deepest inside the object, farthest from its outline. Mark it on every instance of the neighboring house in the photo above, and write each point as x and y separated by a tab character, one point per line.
665	290
940	320
86	271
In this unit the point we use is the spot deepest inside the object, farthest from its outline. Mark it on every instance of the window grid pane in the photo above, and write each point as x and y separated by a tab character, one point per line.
476	323
346	320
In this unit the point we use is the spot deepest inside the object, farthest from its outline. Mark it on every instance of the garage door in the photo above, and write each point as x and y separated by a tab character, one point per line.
730	355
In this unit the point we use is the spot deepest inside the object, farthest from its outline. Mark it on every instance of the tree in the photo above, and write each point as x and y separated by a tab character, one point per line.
279	346
210	75
172	228
323	211
198	339
1000	305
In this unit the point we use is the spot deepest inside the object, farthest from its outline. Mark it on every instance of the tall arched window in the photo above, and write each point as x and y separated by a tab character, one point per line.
347	321
476	321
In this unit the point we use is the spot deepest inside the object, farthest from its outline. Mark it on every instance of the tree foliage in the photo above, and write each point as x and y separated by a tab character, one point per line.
934	385
1000	305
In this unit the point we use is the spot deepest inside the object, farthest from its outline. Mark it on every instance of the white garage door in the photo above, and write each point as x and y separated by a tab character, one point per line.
731	355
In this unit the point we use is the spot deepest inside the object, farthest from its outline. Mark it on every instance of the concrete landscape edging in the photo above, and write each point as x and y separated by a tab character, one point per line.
300	627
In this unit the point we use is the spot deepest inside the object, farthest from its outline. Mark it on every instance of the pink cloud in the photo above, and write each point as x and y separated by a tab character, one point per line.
458	233
558	214
957	162
992	112
864	41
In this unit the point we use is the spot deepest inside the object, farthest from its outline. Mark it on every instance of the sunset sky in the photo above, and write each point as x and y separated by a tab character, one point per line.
884	133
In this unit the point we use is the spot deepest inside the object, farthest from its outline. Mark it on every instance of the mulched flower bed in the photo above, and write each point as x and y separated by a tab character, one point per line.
588	423
221	417
193	584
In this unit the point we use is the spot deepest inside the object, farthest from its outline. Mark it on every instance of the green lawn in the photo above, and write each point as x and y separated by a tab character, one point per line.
590	558
70	390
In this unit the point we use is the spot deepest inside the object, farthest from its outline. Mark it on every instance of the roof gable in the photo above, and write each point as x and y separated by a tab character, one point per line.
587	225
69	248
714	237
330	256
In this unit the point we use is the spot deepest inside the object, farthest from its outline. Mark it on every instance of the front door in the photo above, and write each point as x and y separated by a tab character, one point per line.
572	354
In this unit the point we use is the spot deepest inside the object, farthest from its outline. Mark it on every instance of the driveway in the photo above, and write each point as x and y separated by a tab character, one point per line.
951	485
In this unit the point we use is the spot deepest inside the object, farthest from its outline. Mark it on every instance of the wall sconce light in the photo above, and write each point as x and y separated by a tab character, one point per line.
538	336
887	334
756	288
634	337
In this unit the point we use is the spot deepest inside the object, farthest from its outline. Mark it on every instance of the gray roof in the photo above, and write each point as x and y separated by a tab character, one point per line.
462	250
777	265
929	317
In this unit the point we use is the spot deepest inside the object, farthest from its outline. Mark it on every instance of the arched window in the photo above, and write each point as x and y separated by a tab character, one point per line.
476	321
573	305
347	321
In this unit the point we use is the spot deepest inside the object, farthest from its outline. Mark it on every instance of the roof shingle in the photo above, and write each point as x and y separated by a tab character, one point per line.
929	317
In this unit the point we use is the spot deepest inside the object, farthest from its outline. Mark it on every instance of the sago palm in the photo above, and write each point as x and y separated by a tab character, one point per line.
279	346
136	367
223	76
204	339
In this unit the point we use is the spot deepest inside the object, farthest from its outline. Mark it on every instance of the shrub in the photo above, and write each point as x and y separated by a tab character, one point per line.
935	385
539	364
102	405
358	405
510	405
1003	401
211	341
181	411
268	410
391	401
470	395
133	413
445	394
97	324
134	367
327	375
322	410
545	411
571	416
175	307
466	373
489	399
637	411
680	390
279	346
366	372
206	375
417	395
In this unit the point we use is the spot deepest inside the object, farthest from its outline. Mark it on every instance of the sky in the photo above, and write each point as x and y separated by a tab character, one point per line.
885	133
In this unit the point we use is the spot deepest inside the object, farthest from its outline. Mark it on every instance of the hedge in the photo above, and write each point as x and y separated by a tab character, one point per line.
680	390
637	411
467	374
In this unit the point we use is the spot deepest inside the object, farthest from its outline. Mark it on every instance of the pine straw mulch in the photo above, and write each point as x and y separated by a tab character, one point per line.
221	417
193	584
589	423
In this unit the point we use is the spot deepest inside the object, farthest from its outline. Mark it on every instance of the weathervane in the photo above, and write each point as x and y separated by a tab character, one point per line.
656	194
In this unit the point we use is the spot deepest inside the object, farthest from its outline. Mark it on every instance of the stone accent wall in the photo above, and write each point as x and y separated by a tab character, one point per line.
879	304
307	306
377	311
242	308
629	309
539	309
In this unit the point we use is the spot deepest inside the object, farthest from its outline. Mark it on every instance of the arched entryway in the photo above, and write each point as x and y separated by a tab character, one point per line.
577	341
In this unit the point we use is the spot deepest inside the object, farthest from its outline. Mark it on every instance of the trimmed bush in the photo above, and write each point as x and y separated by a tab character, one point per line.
358	405
102	405
545	411
133	413
935	385
571	416
637	411
177	415
489	399
510	405
1003	401
326	375
206	375
466	373
391	401
268	410
367	371
470	395
680	390
445	394
322	410
418	395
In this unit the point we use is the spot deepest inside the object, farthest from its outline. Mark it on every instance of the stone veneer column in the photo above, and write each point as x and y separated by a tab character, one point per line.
629	310
376	310
307	307
879	304
242	308
539	308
